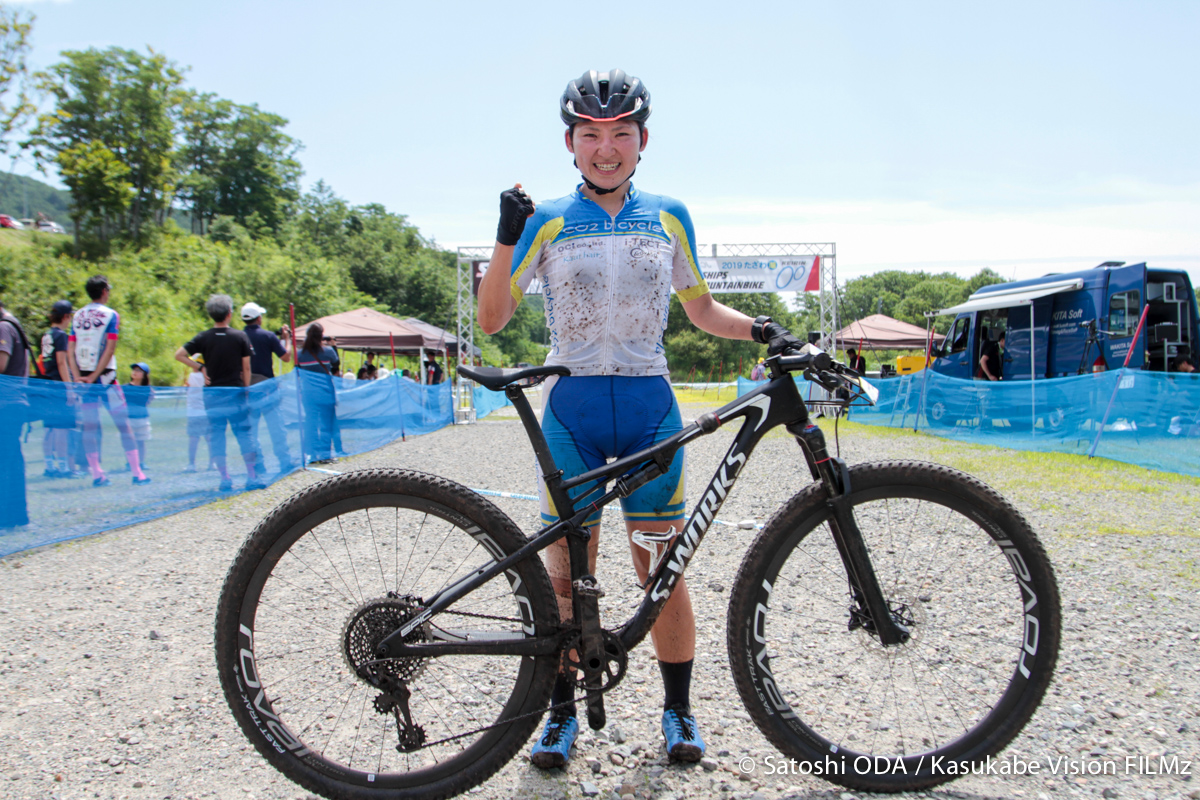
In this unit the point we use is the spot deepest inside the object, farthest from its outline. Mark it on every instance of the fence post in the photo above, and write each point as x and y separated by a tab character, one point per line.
299	393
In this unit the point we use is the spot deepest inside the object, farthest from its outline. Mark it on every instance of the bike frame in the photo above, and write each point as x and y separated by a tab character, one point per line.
776	403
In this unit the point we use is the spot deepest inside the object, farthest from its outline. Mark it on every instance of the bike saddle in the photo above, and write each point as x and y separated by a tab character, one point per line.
496	378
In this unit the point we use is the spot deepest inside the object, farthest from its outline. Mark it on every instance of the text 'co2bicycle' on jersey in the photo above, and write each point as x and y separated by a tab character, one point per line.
390	634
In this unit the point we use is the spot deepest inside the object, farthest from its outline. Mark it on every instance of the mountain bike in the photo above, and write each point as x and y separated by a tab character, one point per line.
391	634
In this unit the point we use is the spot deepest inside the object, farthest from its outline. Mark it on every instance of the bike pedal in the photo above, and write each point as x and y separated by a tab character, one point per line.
588	586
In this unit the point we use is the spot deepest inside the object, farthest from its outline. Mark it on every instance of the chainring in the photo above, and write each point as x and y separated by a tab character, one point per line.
615	661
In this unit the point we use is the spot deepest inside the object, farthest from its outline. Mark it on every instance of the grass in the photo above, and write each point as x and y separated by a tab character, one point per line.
1073	495
12	240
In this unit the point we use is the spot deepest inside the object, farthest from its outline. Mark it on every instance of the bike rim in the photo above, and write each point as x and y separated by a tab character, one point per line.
293	672
946	691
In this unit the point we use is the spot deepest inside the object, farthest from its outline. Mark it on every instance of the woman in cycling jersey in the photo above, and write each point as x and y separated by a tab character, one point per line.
608	256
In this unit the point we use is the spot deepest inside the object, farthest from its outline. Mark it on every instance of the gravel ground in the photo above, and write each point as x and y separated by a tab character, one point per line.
110	688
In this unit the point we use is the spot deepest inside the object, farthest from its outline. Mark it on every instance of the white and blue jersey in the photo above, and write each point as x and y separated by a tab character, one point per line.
92	327
607	280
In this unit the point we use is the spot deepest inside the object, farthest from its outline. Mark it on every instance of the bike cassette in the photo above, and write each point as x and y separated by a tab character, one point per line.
615	660
370	624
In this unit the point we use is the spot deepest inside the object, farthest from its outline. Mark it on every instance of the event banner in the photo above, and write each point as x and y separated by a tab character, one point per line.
766	274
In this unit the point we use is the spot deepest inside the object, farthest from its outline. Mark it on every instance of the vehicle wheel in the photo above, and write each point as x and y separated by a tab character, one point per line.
962	570
330	573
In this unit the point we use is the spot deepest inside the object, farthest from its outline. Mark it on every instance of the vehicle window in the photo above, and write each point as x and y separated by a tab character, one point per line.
1123	311
960	334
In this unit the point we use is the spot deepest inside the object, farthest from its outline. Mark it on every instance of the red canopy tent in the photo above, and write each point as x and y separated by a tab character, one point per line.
879	332
368	329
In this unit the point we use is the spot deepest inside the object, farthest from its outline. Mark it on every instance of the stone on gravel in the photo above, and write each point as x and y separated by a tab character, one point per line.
589	789
709	764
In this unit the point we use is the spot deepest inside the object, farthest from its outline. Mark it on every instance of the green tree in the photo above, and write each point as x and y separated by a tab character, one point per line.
99	184
15	104
690	348
128	103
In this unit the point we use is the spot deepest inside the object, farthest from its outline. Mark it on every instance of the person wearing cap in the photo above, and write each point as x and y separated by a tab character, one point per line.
608	256
264	401
758	372
138	395
227	353
59	417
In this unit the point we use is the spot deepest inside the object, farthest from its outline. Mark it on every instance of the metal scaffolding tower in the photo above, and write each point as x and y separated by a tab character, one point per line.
469	259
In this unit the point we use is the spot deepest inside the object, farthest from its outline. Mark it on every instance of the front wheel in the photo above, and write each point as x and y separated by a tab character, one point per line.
331	573
960	569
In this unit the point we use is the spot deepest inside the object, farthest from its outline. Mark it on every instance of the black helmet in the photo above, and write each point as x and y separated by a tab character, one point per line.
605	95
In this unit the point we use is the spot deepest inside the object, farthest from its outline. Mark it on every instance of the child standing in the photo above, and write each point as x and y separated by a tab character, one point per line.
197	417
137	397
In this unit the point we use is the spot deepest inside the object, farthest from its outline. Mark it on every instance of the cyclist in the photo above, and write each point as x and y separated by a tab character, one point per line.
608	256
91	356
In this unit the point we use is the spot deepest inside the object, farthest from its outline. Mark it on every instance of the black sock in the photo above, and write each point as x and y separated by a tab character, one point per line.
564	692
677	683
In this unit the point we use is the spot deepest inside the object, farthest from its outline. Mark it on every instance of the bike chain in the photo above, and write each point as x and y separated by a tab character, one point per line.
536	713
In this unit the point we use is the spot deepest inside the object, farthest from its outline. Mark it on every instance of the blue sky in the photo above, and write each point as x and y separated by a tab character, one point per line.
1029	137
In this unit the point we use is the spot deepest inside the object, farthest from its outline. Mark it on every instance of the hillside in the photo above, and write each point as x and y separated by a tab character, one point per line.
23	198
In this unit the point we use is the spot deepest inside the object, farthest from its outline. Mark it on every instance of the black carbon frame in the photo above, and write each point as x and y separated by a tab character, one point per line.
764	408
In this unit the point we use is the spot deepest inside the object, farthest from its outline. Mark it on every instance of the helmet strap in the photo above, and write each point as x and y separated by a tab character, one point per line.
599	190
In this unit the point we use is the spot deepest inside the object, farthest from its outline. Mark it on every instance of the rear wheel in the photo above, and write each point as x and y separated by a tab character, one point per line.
323	580
960	569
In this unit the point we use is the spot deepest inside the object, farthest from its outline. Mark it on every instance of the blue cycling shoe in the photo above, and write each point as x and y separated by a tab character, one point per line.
554	748
683	738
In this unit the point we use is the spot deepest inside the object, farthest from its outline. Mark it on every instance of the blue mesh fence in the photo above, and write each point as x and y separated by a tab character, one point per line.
1154	420
47	428
487	401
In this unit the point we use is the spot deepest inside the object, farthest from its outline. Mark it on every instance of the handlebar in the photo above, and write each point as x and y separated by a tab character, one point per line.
819	367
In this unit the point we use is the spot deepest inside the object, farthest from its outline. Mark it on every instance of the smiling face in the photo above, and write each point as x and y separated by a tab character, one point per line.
606	152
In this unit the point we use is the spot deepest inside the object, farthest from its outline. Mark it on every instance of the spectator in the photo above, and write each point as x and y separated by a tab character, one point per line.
14	410
856	362
264	401
197	417
320	398
226	354
1182	363
758	372
368	371
91	355
138	396
433	370
59	417
335	368
991	363
407	375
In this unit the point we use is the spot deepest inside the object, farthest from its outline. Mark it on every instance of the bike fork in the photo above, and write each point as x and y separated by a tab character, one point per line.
873	612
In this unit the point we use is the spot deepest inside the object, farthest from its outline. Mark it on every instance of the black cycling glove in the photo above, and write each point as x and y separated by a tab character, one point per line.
515	207
777	338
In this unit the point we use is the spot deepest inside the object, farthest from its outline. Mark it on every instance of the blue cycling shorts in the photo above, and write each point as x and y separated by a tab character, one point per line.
588	420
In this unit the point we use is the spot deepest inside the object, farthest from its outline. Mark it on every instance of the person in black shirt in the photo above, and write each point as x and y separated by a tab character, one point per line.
991	366
856	362
226	354
264	401
433	371
59	417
